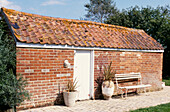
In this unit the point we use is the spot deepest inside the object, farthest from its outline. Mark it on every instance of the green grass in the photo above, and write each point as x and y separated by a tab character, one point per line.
159	108
167	81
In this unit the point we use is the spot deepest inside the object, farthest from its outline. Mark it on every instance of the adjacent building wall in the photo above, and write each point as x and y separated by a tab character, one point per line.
44	71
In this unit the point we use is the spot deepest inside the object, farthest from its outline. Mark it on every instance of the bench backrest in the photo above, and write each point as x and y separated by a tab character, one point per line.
120	77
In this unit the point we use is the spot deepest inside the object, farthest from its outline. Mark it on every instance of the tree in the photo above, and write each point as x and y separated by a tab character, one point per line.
12	88
99	10
155	22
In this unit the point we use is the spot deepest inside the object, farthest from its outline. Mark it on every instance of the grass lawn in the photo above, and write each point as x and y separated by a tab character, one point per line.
167	81
159	108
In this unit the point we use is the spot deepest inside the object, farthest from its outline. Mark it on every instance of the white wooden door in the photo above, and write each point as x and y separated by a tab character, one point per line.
82	73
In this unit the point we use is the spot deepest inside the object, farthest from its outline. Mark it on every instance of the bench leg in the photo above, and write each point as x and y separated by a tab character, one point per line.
122	93
149	89
144	90
137	91
126	92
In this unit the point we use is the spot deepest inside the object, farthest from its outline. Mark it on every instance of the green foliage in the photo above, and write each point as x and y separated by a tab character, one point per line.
108	72
99	10
155	22
12	91
167	82
71	85
159	108
7	49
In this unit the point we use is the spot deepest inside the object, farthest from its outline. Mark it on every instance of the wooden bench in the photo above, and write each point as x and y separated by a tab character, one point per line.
127	77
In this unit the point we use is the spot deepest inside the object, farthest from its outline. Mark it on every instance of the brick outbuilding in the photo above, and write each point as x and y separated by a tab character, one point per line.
44	44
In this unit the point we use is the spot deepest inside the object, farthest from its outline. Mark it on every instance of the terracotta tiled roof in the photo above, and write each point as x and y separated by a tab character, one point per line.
32	28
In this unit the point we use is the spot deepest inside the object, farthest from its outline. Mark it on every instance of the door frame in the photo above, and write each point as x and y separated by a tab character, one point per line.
91	80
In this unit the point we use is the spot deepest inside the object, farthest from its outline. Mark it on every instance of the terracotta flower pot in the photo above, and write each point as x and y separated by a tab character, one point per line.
70	98
107	89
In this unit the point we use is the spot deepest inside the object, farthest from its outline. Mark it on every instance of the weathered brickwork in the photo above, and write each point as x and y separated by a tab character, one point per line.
47	77
45	74
148	64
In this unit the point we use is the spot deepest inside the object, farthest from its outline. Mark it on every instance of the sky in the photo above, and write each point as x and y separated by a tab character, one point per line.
70	9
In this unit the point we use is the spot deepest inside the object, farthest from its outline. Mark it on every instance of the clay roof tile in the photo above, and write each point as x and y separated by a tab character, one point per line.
32	28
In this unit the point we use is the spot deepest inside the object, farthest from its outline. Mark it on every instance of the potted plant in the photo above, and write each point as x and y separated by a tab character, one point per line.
108	84
70	94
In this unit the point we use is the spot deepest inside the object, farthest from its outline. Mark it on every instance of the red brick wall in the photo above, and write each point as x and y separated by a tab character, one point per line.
40	67
148	64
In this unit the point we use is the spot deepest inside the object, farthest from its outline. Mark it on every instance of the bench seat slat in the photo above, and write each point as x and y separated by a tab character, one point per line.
117	76
136	86
125	74
127	78
129	74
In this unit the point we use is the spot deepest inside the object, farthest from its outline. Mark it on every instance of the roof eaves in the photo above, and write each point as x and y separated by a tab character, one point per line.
50	46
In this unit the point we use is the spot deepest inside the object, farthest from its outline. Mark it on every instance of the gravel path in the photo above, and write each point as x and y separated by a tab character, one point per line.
114	105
